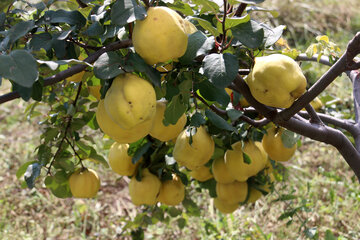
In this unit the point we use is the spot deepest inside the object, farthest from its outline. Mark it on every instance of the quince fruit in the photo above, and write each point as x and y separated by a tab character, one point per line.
197	153
255	194
224	206
220	171
146	190
274	146
276	80
201	174
161	36
114	131
119	160
84	183
130	101
234	192
236	165
172	192
162	132
189	27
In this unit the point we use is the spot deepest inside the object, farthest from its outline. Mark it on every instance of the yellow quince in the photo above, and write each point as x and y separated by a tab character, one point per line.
84	183
236	165
161	36
234	192
197	153
276	80
146	190
274	146
130	101
172	192
119	134
201	174
162	132
224	206
119	160
221	172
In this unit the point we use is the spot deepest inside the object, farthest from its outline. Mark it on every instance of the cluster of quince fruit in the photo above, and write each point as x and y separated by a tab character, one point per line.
130	112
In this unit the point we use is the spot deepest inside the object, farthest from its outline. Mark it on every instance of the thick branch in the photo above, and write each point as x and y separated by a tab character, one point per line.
317	132
314	118
73	70
355	78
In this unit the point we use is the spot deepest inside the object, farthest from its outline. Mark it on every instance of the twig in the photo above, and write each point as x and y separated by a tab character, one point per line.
73	70
147	4
65	131
314	118
212	106
240	9
255	123
76	154
81	4
323	59
223	40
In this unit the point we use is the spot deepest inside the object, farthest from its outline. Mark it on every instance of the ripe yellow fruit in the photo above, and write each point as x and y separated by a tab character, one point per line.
234	192
162	132
198	153
84	183
120	135
130	100
235	164
276	80
95	91
220	171
274	146
224	206
161	36
172	192
146	190
119	160
201	174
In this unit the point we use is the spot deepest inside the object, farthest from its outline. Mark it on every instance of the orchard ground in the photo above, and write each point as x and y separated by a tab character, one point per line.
317	175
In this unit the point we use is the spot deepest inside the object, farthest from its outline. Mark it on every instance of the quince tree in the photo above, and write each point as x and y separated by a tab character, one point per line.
186	93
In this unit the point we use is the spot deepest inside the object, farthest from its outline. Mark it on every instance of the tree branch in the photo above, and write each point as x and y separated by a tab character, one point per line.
320	133
81	4
212	106
323	59
74	69
314	118
355	78
240	9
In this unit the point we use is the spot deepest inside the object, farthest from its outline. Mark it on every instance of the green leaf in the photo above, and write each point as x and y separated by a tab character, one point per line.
207	26
60	190
32	173
221	69
174	110
108	65
273	35
140	152
14	33
218	121
19	66
234	114
210	185
24	92
191	208
98	158
136	62
289	138
206	6
212	93
73	18
22	169
246	158
197	120
181	222
198	44
182	7
232	22
126	11
250	34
